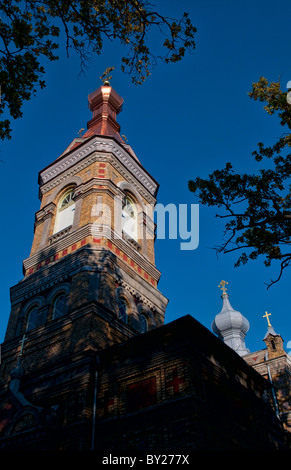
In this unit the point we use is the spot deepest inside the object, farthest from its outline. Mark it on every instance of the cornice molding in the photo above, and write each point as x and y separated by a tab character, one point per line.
97	144
46	212
94	229
93	186
90	259
65	178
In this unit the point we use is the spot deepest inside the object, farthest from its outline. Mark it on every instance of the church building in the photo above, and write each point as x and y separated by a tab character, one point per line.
88	362
272	362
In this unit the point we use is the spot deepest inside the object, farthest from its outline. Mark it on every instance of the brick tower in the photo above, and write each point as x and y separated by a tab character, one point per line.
90	281
87	362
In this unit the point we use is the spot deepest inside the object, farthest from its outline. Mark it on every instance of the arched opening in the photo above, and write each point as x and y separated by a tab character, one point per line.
122	310
59	306
129	218
273	344
65	211
144	326
33	318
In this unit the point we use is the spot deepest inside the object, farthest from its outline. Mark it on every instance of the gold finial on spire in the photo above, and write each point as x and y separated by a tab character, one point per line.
267	316
222	286
105	77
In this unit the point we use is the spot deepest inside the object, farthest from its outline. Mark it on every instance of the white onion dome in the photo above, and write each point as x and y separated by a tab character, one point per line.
231	326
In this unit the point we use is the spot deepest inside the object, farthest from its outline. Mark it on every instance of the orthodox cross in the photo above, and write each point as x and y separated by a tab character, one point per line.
267	316
222	286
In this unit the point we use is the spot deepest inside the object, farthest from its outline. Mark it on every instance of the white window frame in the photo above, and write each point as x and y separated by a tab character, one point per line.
65	212
129	218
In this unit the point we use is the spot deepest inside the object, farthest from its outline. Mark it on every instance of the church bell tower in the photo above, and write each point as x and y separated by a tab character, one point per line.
90	281
93	245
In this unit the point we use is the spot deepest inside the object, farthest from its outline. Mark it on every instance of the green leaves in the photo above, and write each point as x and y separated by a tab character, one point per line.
23	38
275	99
29	32
256	207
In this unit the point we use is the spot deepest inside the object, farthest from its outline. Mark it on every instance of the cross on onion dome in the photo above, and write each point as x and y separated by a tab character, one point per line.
222	286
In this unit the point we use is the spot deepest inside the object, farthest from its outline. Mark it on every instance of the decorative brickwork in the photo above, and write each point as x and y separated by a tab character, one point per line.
90	377
274	364
179	389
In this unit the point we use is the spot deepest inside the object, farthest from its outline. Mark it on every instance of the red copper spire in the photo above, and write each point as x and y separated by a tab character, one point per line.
105	104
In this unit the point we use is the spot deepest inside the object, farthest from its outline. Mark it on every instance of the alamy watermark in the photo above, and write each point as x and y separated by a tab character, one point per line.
183	223
171	221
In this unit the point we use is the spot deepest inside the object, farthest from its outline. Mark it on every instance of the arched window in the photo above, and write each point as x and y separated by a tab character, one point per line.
59	306
129	218
143	324
66	210
122	310
33	318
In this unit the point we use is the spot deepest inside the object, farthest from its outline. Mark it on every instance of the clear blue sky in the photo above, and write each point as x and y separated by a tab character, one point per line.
187	120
